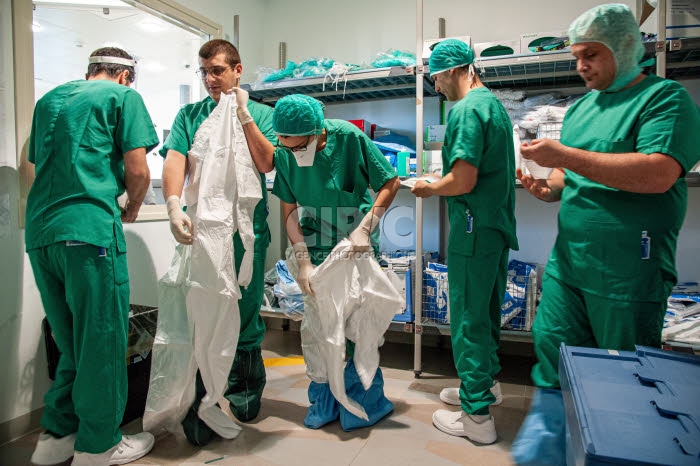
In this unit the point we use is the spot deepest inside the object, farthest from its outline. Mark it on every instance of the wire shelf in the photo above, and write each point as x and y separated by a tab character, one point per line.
363	85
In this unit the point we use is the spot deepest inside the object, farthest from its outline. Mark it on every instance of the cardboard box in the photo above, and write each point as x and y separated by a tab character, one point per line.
435	133
529	41
427	43
682	18
498	48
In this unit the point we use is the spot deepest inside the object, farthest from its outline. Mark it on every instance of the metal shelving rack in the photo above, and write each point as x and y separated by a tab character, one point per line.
363	85
675	59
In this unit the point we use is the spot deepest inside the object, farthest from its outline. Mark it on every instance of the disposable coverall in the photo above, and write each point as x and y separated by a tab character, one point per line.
247	376
76	246
334	197
482	229
222	195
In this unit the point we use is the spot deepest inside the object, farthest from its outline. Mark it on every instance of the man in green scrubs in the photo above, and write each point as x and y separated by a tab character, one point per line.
326	168
479	184
88	143
220	70
624	151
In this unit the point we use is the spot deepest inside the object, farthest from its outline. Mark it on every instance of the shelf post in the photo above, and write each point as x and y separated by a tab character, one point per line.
661	40
418	283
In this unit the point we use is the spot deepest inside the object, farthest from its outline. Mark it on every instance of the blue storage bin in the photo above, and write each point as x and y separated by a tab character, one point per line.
630	408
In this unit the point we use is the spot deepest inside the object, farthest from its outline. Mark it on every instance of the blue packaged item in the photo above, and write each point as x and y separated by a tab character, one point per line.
437	292
630	408
515	302
287	290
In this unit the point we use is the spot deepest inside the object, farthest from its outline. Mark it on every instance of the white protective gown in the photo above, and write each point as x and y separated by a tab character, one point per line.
355	299
198	317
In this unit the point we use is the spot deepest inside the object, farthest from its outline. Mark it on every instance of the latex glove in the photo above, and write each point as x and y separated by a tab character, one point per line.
301	253
178	221
242	101
360	236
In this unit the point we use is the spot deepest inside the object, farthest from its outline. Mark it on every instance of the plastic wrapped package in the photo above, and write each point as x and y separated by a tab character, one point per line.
393	57
287	290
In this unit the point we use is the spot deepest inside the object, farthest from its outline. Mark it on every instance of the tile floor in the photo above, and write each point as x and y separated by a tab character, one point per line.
407	437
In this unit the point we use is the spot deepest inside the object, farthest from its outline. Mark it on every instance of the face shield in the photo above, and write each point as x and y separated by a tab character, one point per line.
118	61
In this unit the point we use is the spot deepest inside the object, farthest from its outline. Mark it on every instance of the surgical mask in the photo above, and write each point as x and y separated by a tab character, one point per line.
305	156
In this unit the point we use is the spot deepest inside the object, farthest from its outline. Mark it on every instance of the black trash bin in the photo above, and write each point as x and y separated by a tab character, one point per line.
142	330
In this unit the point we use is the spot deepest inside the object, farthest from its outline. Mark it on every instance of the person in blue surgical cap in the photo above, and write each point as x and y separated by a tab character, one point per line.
620	176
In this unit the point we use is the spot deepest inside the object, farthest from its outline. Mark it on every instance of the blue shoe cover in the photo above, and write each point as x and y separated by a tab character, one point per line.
324	407
542	437
375	404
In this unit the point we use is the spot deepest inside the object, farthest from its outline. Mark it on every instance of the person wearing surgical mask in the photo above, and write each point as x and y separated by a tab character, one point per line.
324	169
220	69
620	178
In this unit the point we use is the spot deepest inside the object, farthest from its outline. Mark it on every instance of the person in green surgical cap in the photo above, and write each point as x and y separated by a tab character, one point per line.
620	176
220	69
326	167
479	185
88	144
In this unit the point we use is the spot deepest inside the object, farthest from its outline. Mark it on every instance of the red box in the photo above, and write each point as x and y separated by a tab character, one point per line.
364	125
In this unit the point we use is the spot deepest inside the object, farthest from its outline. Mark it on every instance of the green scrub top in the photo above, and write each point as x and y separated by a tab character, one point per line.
333	192
186	124
80	133
599	246
480	133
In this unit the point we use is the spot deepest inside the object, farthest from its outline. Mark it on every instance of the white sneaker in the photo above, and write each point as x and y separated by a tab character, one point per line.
451	395
132	447
52	450
479	429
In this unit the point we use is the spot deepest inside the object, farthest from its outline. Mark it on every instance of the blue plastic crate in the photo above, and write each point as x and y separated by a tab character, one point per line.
630	408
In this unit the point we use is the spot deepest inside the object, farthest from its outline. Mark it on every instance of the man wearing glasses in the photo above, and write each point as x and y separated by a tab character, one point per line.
220	70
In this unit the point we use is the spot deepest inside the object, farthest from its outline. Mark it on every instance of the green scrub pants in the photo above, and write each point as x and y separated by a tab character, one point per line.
477	288
578	318
246	379
85	293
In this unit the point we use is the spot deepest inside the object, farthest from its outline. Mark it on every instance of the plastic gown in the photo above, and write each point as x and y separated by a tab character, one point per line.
355	299
199	321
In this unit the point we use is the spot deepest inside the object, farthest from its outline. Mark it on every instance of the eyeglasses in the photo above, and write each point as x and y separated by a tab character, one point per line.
216	72
298	148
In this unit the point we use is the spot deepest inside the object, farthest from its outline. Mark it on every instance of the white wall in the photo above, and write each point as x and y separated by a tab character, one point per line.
251	19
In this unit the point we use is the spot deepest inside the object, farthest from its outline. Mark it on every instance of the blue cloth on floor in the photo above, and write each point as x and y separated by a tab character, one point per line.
324	407
542	437
375	404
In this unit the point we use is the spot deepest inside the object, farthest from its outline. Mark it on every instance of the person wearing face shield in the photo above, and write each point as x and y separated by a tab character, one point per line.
326	168
620	177
479	185
88	145
220	70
